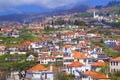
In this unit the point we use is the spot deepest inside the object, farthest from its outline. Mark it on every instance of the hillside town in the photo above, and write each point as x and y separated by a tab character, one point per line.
61	48
76	46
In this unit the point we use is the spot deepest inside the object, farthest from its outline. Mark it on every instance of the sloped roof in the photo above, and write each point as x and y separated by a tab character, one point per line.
99	64
116	59
99	76
79	55
75	64
26	43
67	46
37	67
95	75
89	73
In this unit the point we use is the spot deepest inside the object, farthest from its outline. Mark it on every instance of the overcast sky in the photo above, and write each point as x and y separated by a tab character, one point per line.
12	5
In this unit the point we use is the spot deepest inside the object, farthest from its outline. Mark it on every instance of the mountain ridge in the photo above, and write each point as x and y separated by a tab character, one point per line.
23	16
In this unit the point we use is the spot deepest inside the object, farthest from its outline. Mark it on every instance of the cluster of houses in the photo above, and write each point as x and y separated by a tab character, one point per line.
10	31
73	49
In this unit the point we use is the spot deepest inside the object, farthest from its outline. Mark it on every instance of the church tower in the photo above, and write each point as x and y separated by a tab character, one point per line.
94	14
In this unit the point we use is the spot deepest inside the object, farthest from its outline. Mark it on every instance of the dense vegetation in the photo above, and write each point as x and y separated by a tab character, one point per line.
15	62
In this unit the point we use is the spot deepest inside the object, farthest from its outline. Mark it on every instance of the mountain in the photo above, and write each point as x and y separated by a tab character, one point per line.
113	4
34	16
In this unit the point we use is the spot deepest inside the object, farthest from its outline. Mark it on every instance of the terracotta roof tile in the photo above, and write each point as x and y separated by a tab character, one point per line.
116	59
95	75
97	47
42	57
86	41
51	57
79	55
1	72
75	64
67	46
26	43
99	76
3	45
99	64
89	73
37	67
42	39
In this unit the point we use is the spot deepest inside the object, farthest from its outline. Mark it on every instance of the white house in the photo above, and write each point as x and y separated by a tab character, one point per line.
39	72
111	42
67	49
91	75
30	58
76	68
47	59
2	49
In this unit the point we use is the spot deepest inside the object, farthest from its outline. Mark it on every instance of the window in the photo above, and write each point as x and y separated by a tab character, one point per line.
114	70
116	63
111	63
84	60
73	71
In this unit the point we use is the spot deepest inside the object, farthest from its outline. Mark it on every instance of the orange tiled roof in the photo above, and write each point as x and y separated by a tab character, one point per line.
51	57
1	72
89	73
37	67
97	47
99	76
86	41
116	59
99	64
3	45
95	75
26	43
75	64
68	34
42	39
42	57
37	40
78	55
67	46
44	49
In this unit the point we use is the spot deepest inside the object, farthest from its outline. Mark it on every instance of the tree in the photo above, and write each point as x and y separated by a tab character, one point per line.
63	76
105	69
10	63
115	76
22	67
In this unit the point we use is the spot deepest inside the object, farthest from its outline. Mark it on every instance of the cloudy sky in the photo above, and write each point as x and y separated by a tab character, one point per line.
19	6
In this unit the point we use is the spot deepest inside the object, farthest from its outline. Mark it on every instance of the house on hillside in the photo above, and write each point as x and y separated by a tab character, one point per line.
30	58
115	64
98	65
39	72
91	75
76	68
67	49
2	49
110	43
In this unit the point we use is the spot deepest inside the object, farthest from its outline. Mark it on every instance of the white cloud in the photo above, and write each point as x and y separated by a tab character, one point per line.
5	4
